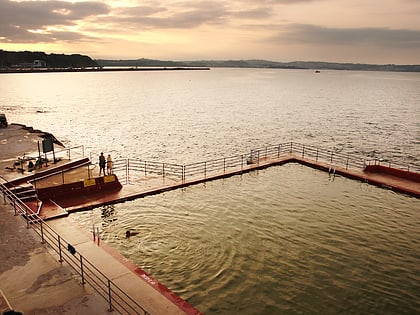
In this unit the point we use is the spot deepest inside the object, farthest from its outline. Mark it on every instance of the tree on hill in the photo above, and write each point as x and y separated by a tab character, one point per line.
11	58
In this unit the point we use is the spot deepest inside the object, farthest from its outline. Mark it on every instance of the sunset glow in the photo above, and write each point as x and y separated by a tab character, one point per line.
386	31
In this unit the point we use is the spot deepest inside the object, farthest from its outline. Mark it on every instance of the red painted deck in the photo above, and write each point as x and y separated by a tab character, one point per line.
62	204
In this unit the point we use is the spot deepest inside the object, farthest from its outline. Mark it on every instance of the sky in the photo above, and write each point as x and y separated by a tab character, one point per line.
357	31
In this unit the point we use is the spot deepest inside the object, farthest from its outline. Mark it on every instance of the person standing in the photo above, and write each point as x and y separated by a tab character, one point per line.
109	164
101	163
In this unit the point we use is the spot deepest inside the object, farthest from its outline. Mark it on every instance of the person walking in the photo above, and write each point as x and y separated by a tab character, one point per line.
101	164
109	164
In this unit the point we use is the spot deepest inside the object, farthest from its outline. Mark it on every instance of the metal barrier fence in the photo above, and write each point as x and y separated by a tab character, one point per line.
116	298
345	160
67	153
131	168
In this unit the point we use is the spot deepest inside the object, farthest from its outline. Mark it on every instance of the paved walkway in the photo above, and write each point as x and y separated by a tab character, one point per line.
32	280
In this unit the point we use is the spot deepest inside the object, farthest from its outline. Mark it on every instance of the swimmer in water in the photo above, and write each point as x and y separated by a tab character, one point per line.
129	233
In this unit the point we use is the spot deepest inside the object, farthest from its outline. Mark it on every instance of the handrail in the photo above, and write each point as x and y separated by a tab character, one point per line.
126	167
116	298
70	148
64	149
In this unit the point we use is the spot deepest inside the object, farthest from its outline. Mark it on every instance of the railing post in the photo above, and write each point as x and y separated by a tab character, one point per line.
347	163
183	172
42	233
224	165
109	296
163	169
145	168
303	152
278	150
81	269
317	154
59	249
291	147
27	217
62	175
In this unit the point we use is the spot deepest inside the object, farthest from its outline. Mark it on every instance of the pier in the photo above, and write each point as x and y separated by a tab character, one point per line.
71	183
75	186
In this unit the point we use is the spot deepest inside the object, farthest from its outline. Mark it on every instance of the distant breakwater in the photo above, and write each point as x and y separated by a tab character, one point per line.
96	69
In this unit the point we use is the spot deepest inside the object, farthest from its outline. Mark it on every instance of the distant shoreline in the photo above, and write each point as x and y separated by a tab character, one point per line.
192	68
97	69
40	62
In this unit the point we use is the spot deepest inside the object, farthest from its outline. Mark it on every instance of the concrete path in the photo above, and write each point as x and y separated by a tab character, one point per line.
32	280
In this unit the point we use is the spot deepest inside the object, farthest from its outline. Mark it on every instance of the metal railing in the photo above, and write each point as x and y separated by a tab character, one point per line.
116	298
345	160
128	169
57	154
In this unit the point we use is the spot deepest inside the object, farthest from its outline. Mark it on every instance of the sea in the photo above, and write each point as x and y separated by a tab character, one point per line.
283	240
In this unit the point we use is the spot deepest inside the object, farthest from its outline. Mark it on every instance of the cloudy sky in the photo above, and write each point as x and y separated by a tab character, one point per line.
365	31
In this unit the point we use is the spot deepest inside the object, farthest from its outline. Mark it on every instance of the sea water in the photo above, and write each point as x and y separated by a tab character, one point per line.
283	240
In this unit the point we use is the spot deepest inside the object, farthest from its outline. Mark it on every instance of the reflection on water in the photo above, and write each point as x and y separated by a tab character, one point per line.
108	214
283	240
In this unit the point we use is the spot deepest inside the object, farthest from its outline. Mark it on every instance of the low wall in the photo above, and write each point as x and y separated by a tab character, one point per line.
48	171
85	187
394	172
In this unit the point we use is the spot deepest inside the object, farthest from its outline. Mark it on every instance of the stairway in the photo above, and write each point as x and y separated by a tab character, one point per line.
24	192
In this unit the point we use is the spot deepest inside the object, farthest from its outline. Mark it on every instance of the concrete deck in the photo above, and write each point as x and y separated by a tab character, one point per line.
32	281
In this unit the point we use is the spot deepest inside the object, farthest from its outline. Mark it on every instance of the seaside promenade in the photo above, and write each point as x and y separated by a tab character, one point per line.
72	184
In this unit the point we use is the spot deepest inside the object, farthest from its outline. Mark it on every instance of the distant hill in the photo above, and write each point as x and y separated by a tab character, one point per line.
26	59
315	65
33	60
